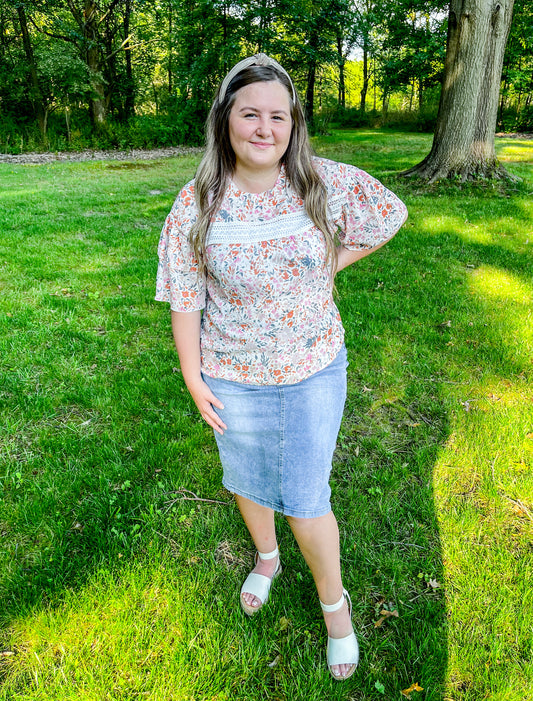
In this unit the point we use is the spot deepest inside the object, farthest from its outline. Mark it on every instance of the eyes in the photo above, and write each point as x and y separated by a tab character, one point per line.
274	117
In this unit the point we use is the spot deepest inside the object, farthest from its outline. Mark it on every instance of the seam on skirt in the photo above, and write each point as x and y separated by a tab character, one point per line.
281	442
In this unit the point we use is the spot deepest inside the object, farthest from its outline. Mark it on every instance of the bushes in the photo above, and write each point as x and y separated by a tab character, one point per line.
421	121
143	131
514	120
185	127
352	117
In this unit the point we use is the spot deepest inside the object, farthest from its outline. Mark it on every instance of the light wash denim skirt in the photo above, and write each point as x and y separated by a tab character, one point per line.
278	446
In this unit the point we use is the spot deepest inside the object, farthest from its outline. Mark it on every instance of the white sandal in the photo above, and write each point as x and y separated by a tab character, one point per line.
258	584
342	650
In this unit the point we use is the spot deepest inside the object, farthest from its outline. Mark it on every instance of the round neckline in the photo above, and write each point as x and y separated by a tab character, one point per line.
264	193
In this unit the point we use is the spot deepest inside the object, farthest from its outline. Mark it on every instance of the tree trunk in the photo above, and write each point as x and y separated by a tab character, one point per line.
342	82
312	50
97	101
384	105
364	89
310	94
169	49
463	143
503	95
129	88
375	87
36	95
264	21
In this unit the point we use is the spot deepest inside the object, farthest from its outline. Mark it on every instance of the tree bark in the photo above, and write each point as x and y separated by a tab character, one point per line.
310	94
342	65
463	143
364	89
129	88
313	46
36	94
170	49
97	103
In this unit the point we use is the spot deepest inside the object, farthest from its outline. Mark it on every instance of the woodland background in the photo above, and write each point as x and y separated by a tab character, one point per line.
80	74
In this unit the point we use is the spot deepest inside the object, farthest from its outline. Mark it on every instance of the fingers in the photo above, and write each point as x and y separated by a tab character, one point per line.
206	402
216	402
213	419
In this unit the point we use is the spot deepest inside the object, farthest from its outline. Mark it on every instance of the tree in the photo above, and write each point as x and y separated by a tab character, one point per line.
412	48
463	143
516	102
40	104
98	29
315	29
365	14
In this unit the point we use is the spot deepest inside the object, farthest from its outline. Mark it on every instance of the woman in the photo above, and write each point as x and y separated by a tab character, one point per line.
252	242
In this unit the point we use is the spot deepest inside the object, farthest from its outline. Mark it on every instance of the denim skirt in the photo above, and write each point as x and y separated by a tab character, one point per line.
278	446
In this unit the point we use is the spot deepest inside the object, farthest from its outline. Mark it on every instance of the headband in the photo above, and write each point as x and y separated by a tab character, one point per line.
257	60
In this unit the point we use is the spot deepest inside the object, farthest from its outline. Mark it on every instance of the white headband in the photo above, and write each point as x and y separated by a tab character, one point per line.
257	60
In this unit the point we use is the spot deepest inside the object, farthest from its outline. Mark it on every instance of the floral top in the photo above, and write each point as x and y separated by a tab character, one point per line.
269	315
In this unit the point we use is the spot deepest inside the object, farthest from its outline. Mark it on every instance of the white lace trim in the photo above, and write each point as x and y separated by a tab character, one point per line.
335	203
279	227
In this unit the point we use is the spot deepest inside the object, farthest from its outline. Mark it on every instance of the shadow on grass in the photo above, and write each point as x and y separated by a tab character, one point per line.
110	436
100	436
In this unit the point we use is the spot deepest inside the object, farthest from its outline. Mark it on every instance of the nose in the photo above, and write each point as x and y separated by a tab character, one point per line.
263	127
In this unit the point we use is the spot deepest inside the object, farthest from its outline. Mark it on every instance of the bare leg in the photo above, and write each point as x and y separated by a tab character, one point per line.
318	539
260	523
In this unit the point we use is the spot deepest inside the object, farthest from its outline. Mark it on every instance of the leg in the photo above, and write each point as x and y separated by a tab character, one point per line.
260	523
318	539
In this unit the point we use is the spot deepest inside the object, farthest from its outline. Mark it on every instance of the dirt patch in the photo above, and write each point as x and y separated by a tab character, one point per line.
516	135
132	155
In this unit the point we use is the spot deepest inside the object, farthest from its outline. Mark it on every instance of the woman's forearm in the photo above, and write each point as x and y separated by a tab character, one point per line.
346	257
186	331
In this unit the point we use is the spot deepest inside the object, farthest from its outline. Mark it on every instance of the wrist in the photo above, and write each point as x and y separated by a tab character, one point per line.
192	380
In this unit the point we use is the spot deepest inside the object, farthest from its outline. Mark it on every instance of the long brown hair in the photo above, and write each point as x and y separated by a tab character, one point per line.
218	163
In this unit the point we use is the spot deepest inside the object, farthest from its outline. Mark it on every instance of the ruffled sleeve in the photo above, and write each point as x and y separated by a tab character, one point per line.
364	212
178	281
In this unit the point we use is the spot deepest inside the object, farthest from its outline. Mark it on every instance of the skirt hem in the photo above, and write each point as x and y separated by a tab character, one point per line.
276	507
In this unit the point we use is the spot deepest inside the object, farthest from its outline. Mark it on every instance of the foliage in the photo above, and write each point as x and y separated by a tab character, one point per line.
516	103
422	121
116	60
413	47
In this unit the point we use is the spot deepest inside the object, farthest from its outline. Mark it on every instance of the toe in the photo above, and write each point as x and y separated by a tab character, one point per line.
342	671
250	599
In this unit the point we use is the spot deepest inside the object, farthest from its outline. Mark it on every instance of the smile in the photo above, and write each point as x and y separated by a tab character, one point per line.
261	144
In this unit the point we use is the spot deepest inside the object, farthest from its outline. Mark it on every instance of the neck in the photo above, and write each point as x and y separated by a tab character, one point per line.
255	181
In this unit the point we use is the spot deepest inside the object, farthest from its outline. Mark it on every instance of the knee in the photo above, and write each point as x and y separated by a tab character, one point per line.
307	525
296	522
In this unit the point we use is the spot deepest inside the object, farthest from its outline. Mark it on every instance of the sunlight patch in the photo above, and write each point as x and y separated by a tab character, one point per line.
521	152
496	284
468	231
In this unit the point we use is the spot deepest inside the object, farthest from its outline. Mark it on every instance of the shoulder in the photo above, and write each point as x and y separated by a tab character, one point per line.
184	207
340	177
183	212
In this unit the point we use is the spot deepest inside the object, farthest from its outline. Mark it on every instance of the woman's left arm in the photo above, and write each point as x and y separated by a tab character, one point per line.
346	257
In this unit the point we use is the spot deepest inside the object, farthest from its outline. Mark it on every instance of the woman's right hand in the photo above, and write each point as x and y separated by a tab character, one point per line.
206	403
186	330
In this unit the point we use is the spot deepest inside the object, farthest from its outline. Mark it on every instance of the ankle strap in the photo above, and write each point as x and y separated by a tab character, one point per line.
268	556
330	608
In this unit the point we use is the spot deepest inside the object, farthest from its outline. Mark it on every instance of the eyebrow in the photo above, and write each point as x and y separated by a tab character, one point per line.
254	109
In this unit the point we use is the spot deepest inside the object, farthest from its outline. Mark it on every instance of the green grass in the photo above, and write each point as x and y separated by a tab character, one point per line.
113	585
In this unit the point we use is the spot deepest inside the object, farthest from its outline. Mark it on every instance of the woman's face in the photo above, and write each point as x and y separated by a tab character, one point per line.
260	127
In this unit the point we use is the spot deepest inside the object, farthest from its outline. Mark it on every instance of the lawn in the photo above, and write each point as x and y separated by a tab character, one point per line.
121	556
